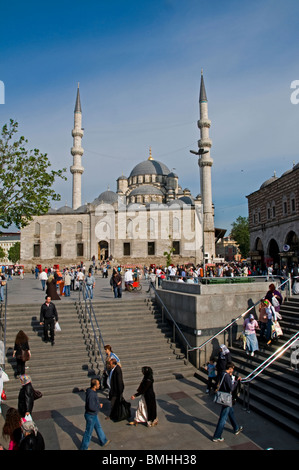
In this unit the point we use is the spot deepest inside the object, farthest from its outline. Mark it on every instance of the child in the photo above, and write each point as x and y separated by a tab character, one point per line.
211	368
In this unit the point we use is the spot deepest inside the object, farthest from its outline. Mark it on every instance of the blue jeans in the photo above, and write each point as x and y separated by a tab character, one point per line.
89	292
226	412
117	292
67	291
92	422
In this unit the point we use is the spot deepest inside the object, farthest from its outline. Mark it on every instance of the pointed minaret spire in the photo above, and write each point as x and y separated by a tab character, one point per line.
78	102
77	152
202	93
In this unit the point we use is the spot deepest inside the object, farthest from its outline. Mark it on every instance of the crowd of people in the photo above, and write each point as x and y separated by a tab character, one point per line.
19	426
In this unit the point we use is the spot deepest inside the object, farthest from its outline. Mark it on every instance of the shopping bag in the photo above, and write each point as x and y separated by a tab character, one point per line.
57	326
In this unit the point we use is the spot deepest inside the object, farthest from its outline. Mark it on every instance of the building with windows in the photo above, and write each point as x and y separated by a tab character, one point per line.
148	214
274	220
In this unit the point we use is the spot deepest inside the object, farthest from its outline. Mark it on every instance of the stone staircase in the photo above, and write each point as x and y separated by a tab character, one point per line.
132	327
138	337
274	394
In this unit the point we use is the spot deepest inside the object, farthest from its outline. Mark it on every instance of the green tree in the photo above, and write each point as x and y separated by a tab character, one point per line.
2	253
14	252
168	254
26	180
240	233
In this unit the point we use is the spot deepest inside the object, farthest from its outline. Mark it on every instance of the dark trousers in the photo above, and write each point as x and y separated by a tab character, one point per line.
49	323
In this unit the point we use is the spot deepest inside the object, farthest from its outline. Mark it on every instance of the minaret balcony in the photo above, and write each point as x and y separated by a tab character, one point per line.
77	169
205	143
77	133
204	123
77	151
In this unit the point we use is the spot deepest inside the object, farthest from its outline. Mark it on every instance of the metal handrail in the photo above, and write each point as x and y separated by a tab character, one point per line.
279	352
92	318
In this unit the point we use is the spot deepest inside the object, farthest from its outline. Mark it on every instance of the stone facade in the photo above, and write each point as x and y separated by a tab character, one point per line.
274	220
148	215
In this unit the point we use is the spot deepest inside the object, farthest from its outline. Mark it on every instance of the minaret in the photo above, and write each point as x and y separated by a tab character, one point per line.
205	163
77	152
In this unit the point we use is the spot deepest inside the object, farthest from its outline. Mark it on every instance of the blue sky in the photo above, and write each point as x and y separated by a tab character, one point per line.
139	64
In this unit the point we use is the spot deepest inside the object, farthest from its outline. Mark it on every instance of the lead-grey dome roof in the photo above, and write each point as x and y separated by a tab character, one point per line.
150	167
107	196
146	189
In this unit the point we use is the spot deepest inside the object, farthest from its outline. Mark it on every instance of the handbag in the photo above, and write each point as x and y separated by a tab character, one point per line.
122	410
223	398
37	394
3	395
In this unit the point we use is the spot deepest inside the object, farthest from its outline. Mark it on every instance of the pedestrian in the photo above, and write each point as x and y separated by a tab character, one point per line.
48	317
147	406
224	357
92	407
116	387
43	277
67	283
228	384
26	397
51	290
21	352
109	355
2	284
274	297
12	428
32	438
212	376
117	285
263	319
250	325
90	285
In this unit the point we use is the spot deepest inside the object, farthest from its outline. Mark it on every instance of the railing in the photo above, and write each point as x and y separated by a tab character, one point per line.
3	315
175	326
89	316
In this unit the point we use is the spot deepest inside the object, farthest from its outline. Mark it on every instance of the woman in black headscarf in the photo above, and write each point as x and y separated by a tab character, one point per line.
147	407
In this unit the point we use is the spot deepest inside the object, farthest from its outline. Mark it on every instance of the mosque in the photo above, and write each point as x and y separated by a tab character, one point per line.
148	214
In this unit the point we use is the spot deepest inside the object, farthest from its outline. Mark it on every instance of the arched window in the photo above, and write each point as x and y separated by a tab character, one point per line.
151	228
37	229
129	228
79	227
58	228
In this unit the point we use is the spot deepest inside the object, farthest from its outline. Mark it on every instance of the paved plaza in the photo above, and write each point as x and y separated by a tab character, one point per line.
187	416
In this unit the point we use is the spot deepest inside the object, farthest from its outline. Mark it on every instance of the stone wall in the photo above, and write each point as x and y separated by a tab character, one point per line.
203	310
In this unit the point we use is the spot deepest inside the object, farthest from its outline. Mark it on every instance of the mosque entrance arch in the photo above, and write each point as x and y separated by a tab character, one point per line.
273	253
103	250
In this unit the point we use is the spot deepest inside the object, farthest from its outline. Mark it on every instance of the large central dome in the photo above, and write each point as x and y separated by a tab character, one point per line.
150	167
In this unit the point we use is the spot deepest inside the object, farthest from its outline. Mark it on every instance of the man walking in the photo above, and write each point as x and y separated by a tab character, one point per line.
90	284
43	278
48	317
116	386
117	285
227	385
92	407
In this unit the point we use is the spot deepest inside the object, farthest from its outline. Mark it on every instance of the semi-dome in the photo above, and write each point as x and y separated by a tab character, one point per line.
150	167
108	197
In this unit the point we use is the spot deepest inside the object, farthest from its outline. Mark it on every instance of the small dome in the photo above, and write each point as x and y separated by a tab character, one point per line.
146	189
65	210
108	197
82	209
150	167
269	181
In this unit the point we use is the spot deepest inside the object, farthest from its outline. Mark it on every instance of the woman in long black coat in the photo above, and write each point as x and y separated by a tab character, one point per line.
147	407
26	396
